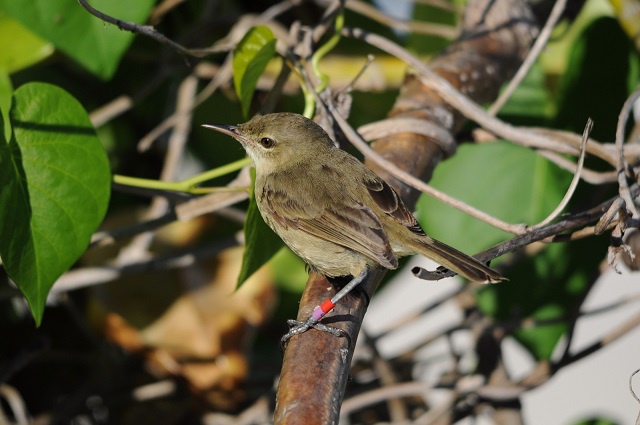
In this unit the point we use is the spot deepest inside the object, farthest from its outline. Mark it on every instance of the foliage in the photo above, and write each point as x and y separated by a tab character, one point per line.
250	58
71	29
55	189
56	159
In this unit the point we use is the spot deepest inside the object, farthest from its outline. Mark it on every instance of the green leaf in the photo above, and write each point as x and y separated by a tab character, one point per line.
96	45
289	270
261	243
19	47
55	186
518	186
250	58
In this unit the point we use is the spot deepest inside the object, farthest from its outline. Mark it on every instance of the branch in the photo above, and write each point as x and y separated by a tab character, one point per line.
316	365
145	30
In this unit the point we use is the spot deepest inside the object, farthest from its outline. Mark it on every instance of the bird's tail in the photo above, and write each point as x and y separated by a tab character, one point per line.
456	261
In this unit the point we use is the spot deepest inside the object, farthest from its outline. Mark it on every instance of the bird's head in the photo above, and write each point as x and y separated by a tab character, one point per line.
276	141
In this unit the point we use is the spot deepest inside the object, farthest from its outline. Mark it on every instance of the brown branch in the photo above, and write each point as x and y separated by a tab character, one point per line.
315	366
145	30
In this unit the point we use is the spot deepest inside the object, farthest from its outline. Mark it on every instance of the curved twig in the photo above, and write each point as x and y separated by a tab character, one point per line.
622	165
473	111
574	181
536	49
146	30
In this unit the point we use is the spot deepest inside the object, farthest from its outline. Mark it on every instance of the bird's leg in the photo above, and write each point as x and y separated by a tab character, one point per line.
320	311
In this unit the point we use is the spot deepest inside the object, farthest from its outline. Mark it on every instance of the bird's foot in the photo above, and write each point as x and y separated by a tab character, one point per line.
297	327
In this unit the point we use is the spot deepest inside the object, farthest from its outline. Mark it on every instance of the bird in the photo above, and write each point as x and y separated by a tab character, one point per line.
331	210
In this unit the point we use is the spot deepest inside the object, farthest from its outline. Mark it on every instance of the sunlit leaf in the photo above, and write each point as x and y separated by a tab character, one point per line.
250	58
94	44
55	186
261	243
19	47
509	182
518	186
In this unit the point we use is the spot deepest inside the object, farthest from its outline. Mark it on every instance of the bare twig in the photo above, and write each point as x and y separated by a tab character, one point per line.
16	404
589	176
608	339
138	248
551	233
622	165
633	391
411	180
471	110
91	276
145	30
416	27
104	237
388	392
222	76
536	49
574	181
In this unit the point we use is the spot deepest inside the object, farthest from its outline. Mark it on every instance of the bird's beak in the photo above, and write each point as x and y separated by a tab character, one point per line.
230	130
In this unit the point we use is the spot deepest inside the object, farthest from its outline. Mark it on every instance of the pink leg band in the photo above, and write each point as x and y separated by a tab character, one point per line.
323	309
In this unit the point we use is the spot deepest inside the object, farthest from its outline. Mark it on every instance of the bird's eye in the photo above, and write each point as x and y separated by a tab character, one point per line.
267	142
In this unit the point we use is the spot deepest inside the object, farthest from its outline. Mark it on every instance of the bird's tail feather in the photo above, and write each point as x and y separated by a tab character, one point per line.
456	261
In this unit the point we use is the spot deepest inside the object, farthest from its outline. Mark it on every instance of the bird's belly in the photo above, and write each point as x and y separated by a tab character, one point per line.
326	257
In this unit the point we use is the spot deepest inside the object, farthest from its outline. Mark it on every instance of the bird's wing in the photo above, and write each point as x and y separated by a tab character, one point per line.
344	221
390	203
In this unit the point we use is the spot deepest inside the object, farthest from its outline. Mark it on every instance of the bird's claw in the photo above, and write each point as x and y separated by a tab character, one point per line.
297	327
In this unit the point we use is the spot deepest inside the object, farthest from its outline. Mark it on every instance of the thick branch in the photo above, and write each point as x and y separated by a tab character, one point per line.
315	366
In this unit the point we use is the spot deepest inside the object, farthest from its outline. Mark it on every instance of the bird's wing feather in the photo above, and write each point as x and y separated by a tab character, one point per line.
345	222
389	202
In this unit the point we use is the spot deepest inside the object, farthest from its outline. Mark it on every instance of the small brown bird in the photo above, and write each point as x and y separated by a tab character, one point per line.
333	211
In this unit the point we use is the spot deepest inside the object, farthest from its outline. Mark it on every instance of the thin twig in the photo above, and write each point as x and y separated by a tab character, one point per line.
574	181
553	231
106	237
608	339
481	135
389	392
471	110
631	390
222	76
139	246
589	176
418	184
414	27
145	30
622	165
536	49
91	276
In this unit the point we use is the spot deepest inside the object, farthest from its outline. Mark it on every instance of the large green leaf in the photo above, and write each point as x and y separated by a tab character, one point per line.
519	186
54	189
261	243
250	58
510	182
97	46
19	47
